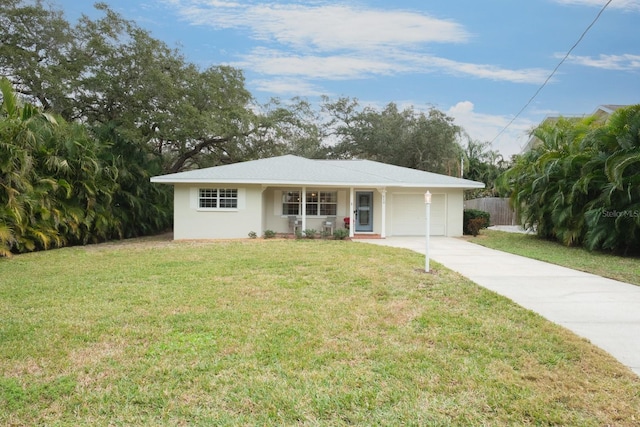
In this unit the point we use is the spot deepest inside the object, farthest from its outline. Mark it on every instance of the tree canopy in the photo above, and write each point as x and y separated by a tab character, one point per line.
425	141
484	165
109	71
92	109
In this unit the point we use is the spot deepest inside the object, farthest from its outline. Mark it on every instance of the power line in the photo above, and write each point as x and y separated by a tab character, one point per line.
584	33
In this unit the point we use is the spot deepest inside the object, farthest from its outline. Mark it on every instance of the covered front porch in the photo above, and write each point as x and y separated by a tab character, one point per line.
360	210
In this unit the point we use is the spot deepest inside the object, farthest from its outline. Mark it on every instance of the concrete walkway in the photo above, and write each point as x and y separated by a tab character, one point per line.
604	311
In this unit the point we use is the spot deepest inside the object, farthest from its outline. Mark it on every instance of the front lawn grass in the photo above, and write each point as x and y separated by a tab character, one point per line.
284	332
625	269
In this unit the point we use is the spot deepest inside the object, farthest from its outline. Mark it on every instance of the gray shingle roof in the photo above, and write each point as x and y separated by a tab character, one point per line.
294	170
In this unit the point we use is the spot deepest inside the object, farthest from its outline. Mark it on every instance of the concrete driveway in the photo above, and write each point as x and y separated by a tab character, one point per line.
604	311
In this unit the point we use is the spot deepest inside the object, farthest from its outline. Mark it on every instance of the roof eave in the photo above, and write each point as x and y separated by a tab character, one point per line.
465	185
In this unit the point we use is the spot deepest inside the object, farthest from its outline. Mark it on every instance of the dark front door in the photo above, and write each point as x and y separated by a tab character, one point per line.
364	211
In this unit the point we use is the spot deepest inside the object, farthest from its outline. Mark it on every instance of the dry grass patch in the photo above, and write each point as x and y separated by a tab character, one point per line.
284	333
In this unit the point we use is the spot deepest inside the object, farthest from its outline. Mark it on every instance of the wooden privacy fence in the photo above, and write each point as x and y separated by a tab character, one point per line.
499	209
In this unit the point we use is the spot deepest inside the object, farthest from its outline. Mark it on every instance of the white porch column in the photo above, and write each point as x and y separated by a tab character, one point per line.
263	209
383	229
304	208
352	223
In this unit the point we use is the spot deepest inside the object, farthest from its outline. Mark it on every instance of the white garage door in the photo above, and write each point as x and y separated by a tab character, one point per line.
409	215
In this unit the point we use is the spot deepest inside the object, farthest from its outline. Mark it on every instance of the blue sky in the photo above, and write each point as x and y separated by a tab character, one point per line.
480	62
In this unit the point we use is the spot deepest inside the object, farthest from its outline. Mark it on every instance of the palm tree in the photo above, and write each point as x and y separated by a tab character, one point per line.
60	184
581	185
543	181
139	207
23	193
613	214
485	165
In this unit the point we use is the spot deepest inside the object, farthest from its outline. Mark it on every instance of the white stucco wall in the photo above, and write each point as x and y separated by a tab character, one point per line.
261	209
455	207
190	222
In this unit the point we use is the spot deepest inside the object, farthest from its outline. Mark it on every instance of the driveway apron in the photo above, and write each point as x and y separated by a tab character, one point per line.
604	311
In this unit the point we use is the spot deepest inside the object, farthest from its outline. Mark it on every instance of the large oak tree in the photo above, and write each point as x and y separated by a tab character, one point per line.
418	140
109	71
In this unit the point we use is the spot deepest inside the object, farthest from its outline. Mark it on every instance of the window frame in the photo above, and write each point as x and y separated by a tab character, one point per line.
219	199
330	199
319	203
291	199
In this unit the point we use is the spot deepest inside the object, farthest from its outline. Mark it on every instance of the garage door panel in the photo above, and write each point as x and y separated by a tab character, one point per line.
409	215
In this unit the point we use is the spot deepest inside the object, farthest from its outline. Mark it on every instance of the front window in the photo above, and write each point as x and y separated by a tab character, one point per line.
328	203
228	198
312	203
218	198
291	203
318	203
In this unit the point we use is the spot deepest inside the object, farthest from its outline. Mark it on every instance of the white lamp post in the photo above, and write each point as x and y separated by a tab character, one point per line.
427	202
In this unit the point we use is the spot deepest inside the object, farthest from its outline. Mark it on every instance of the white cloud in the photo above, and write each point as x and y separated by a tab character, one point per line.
627	5
485	127
626	62
278	63
286	86
337	27
491	72
360	66
335	42
325	27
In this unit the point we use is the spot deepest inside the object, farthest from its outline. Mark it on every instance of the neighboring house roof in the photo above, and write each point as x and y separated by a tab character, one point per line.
294	170
534	141
610	108
604	111
601	113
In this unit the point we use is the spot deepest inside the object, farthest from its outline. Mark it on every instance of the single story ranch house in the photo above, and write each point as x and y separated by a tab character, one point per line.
290	193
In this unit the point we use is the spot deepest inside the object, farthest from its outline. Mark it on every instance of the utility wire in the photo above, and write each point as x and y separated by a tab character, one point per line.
554	71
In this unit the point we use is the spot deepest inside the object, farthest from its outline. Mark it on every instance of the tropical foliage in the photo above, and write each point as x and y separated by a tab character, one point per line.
59	184
581	183
483	164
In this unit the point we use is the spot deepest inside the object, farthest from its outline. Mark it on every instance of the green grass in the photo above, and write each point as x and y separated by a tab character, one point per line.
284	332
625	269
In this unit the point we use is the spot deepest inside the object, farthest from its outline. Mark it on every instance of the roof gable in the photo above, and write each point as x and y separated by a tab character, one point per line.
294	170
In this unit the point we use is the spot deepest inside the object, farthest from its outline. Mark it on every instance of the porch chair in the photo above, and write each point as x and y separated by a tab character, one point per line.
329	224
294	224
